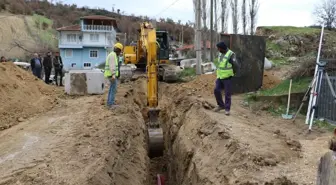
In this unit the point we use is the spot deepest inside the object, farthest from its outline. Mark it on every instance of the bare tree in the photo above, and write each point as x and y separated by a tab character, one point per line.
254	7
225	15
205	29
326	13
235	15
244	17
215	16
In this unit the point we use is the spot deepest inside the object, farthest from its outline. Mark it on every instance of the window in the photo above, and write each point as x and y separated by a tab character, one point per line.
94	37
71	37
68	53
93	54
87	64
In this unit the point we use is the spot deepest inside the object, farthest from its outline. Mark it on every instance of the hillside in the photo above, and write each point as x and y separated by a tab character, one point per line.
21	35
127	23
293	50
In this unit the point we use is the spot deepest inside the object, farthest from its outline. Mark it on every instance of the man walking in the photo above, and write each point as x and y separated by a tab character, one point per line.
47	64
112	72
36	65
225	72
58	66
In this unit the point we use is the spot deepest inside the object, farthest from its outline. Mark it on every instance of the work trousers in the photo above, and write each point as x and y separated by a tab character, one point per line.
112	92
47	72
37	72
58	72
223	84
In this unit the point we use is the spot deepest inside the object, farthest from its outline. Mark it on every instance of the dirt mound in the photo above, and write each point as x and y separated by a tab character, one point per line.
22	95
270	80
244	148
205	84
78	142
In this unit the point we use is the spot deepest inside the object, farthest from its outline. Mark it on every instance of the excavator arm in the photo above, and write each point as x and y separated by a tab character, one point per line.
150	46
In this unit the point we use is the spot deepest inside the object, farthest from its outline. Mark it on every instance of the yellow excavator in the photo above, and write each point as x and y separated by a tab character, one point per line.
146	52
137	54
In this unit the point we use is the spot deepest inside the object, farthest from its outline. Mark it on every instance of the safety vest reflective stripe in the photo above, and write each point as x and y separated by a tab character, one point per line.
224	68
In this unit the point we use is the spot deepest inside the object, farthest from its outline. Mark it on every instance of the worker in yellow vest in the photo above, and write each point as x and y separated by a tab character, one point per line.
112	72
224	72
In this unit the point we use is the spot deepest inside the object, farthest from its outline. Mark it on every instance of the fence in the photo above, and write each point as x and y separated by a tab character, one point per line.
326	106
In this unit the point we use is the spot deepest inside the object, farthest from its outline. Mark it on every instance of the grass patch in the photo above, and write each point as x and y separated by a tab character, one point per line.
42	26
273	46
298	85
324	124
40	20
279	62
188	72
292	30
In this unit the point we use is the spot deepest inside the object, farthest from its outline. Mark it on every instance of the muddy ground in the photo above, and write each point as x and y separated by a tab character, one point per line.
79	141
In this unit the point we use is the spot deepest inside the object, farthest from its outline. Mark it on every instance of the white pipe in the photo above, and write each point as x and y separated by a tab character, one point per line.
158	179
316	67
317	91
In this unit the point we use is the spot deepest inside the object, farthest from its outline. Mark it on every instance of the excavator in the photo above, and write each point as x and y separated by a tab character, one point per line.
148	52
137	53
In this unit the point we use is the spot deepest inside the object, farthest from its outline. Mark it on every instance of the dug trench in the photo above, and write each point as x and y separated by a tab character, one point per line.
245	148
81	142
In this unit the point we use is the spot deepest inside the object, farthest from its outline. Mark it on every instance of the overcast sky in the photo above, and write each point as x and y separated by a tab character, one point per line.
271	12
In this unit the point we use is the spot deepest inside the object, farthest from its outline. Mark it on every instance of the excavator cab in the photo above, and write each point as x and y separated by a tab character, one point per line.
162	39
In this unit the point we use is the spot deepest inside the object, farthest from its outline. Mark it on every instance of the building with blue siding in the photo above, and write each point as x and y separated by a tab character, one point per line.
87	45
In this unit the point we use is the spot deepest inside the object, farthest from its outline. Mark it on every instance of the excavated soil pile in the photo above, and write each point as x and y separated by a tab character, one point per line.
242	149
205	84
22	95
80	142
270	80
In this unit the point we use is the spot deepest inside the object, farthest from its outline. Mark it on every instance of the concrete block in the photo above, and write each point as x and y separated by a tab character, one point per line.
84	82
187	63
205	67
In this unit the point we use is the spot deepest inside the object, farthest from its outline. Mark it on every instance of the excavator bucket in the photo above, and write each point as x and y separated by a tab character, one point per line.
156	145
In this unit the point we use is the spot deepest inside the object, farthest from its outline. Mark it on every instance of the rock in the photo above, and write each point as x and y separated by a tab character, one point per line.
21	119
292	59
272	37
281	42
295	145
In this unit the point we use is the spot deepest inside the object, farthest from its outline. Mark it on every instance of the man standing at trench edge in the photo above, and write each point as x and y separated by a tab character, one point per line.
224	71
112	73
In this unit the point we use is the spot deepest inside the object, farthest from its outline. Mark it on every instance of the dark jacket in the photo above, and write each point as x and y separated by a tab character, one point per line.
47	62
57	62
32	62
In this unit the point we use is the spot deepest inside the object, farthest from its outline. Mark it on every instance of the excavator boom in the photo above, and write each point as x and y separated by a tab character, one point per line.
149	48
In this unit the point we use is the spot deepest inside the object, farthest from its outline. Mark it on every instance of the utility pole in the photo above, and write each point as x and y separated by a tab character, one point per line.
198	38
182	35
211	29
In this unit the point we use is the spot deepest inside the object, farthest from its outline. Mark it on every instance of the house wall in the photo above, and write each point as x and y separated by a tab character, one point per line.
80	58
105	39
63	41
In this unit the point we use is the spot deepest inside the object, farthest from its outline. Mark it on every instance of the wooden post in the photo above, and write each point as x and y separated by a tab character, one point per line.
326	174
